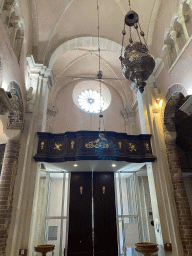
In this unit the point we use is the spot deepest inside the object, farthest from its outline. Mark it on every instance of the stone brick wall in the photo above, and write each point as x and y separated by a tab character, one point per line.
7	181
15	120
182	204
0	72
175	100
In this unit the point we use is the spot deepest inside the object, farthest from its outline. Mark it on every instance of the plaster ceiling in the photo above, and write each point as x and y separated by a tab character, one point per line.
62	21
94	165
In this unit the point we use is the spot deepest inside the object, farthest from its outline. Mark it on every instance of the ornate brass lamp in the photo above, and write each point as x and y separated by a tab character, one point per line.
102	141
137	64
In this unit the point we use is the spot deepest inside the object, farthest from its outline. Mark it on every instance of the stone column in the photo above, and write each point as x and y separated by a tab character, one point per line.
160	183
39	82
189	2
167	49
182	21
13	32
50	115
7	181
129	117
182	204
173	35
6	10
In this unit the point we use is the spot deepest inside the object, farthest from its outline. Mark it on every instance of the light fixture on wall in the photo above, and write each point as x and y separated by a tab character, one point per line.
101	141
137	64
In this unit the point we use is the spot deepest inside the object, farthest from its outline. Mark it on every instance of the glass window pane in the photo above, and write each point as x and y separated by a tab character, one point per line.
56	235
64	237
117	176
56	191
66	194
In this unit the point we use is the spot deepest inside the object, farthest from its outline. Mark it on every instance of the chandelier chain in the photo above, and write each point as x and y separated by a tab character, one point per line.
99	51
129	4
123	40
130	32
98	30
143	36
138	34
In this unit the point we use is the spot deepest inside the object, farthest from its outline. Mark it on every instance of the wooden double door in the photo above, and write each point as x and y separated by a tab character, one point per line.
86	233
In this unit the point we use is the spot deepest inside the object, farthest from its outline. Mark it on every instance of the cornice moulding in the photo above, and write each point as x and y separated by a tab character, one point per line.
187	106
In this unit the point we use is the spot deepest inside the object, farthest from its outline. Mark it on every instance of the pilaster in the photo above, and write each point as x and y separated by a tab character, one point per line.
167	49
173	35
162	195
129	117
39	81
182	21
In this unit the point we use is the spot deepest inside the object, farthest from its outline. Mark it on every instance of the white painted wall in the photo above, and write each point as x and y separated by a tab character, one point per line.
71	118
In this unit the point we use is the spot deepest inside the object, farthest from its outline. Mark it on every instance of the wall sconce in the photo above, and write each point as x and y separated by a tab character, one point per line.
159	101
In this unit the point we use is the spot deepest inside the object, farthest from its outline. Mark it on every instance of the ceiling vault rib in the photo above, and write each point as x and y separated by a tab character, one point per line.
35	29
119	2
53	30
153	18
71	63
109	66
105	62
110	46
122	85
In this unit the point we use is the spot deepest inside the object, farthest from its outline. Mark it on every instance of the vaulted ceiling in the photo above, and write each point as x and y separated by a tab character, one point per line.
65	38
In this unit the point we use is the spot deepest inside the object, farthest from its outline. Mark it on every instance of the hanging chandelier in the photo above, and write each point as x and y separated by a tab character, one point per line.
137	64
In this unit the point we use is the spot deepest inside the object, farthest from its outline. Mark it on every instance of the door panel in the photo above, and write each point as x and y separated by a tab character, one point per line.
104	214
80	215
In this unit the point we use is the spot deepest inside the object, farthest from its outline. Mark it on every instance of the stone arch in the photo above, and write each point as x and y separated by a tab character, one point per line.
173	126
84	42
173	91
171	108
13	25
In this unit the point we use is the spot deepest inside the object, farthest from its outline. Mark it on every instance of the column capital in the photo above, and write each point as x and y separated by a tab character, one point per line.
40	70
51	113
128	113
173	35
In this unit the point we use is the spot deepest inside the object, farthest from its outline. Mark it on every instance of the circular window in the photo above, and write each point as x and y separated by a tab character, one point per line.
86	95
91	101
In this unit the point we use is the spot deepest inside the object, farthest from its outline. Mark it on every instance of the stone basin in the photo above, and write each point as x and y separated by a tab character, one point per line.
44	248
146	248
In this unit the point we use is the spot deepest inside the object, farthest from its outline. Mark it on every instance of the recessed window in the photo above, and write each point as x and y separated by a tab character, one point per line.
90	101
86	96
